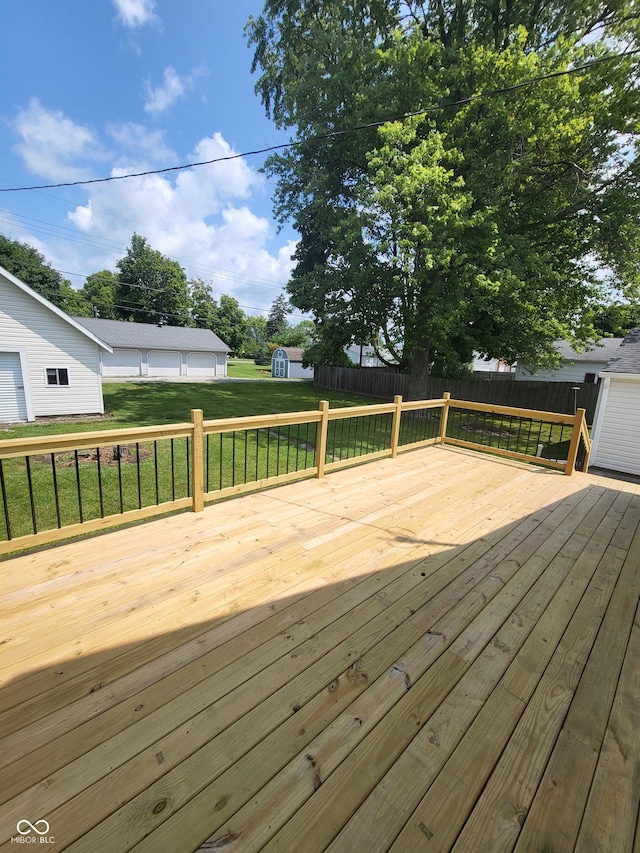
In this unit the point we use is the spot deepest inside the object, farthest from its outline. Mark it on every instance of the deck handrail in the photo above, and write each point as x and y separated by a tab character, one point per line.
283	447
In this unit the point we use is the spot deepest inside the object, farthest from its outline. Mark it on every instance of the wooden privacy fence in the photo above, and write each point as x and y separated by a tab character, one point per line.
59	486
543	396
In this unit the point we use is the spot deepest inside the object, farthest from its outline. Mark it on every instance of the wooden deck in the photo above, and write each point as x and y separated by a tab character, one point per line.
435	652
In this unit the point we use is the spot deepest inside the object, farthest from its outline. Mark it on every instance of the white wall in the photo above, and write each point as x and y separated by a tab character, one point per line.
616	426
568	373
50	341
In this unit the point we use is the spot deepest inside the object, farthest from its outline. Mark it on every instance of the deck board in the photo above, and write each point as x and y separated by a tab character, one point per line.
436	651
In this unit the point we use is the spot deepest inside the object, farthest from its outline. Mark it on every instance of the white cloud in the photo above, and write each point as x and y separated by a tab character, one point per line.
200	217
53	146
138	144
173	87
135	13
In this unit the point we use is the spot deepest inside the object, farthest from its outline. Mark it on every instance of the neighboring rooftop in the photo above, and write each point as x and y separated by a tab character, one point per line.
605	349
627	356
293	353
118	333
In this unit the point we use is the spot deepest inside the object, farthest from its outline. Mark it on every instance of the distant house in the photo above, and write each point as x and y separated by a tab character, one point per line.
49	363
145	349
576	366
363	355
616	425
489	365
286	363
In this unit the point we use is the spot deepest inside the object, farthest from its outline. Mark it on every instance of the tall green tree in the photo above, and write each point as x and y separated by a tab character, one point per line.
151	287
100	292
495	212
30	266
277	319
231	324
203	307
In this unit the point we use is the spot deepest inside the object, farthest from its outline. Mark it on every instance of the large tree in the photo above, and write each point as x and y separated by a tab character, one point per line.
151	287
100	292
494	212
27	264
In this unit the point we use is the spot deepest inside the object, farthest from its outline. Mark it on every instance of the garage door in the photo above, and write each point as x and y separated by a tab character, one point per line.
164	363
121	362
619	440
13	404
201	364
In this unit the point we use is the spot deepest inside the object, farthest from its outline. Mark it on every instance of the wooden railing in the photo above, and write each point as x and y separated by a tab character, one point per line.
56	487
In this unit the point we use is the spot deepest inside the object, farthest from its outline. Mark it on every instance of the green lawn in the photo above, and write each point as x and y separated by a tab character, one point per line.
132	404
244	368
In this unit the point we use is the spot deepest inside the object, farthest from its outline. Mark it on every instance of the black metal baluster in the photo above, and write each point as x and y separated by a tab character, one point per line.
246	447
80	512
257	455
268	449
186	442
233	458
31	500
278	451
155	469
139	480
100	493
5	503
207	462
288	447
118	455
173	471
221	458
55	490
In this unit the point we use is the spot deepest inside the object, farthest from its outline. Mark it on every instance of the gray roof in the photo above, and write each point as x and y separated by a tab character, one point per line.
293	353
606	349
627	358
118	333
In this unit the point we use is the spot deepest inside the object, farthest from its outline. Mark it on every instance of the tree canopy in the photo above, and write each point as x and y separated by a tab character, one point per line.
465	176
30	266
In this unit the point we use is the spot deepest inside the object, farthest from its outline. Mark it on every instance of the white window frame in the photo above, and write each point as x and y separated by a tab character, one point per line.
57	383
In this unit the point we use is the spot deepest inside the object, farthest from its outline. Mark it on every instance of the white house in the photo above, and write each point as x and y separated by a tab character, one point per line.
576	366
616	425
286	363
145	349
49	363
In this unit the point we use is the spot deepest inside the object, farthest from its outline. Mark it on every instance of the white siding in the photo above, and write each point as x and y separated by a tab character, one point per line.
617	428
121	362
164	363
297	371
569	373
13	402
201	365
50	341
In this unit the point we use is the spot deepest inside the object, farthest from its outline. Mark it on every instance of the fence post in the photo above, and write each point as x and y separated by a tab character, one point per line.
197	461
578	418
395	425
321	438
445	417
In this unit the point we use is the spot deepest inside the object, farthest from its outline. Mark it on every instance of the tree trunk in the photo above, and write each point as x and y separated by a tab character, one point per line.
419	385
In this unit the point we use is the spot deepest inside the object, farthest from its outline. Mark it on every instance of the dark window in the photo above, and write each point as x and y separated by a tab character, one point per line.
590	377
57	376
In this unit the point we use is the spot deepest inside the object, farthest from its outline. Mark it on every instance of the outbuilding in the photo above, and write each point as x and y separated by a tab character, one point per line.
616	425
145	349
575	366
286	363
49	363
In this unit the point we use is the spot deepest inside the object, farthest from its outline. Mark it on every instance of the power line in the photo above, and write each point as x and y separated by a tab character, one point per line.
324	137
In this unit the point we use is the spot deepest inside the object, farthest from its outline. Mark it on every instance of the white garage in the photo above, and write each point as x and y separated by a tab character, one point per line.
616	426
201	364
164	363
121	362
162	352
49	363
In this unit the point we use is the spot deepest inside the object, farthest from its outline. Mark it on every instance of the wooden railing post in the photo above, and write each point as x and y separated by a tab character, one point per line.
197	461
321	438
578	419
395	425
445	417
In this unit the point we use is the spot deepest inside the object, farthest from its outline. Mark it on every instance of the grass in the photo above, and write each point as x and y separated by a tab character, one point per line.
131	404
244	368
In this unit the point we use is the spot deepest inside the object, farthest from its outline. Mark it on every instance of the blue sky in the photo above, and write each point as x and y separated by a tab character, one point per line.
105	87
